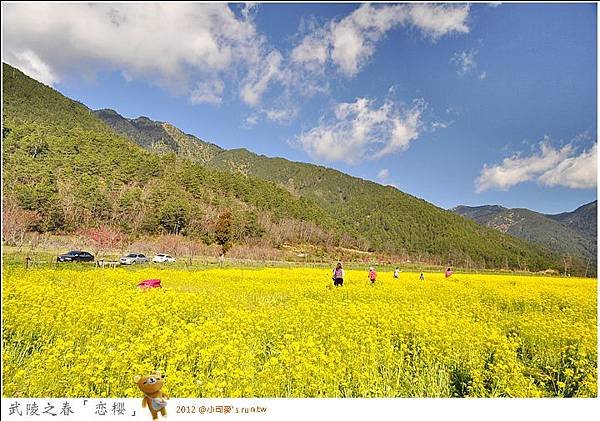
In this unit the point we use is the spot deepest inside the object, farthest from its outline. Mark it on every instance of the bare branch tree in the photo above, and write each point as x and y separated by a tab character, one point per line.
16	222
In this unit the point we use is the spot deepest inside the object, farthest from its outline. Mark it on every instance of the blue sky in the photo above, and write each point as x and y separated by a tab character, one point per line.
455	104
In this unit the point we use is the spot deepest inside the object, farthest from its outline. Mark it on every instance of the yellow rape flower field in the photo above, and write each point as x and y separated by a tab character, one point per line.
288	333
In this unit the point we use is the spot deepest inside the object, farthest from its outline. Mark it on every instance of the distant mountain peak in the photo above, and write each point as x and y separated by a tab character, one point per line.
480	207
161	137
108	111
327	206
568	232
591	205
144	119
583	220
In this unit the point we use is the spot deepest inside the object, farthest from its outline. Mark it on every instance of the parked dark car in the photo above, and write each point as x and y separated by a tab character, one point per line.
76	256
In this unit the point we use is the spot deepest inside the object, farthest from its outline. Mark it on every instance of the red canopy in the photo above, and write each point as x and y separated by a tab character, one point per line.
150	283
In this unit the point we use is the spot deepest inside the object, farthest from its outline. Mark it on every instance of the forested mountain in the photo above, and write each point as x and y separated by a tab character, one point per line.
376	217
479	214
160	137
571	233
385	218
65	164
583	220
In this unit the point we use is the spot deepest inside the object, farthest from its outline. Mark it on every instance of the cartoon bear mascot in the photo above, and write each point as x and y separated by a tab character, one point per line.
156	400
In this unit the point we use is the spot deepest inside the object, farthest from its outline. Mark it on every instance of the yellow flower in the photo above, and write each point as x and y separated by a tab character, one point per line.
281	332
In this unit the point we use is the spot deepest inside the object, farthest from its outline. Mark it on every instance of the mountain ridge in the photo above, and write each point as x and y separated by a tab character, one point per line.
571	232
88	173
74	171
584	220
389	216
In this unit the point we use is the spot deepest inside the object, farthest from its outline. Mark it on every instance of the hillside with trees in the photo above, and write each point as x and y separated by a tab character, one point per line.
583	220
372	216
70	171
572	233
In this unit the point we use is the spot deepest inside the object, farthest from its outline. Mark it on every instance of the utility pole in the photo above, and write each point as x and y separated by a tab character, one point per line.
565	262
586	267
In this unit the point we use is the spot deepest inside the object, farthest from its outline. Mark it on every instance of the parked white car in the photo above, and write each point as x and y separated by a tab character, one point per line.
163	258
133	258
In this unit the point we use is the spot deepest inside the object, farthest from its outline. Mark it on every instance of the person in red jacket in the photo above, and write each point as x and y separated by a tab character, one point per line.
372	275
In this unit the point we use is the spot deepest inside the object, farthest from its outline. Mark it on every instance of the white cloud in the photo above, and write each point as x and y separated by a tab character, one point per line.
248	9
360	130
30	64
200	50
352	39
207	91
284	115
383	175
251	121
176	46
465	61
577	172
439	20
312	52
350	42
440	125
281	115
549	166
258	79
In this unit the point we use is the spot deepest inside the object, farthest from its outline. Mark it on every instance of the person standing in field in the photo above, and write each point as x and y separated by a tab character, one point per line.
372	275
397	272
338	275
448	272
422	277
